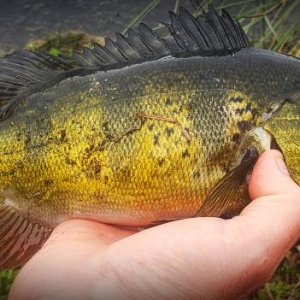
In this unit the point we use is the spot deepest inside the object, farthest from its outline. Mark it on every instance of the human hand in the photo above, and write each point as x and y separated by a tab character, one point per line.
199	258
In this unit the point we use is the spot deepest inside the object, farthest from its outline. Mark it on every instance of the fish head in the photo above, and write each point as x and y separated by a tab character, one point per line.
284	125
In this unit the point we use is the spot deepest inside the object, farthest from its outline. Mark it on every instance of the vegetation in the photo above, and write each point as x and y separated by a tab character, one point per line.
270	25
64	43
6	280
285	283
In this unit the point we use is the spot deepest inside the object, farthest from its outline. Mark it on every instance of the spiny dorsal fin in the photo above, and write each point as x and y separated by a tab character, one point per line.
24	73
28	69
140	45
209	35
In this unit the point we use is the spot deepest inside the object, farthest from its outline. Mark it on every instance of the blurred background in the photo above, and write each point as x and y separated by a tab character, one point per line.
62	26
50	24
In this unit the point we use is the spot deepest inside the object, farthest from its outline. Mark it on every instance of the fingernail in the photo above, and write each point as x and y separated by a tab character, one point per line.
282	166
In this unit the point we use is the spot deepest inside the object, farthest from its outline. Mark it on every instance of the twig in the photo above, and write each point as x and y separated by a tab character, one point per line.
166	119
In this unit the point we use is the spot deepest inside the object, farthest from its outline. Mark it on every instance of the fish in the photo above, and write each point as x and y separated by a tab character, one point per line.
149	128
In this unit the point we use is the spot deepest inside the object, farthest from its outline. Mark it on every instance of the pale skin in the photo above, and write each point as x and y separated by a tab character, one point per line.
199	258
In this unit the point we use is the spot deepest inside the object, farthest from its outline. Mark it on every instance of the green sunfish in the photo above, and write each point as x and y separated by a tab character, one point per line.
151	127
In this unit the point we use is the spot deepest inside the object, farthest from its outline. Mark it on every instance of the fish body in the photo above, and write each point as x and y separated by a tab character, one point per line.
148	142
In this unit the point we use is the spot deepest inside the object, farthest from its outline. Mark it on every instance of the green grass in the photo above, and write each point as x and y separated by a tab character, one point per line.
268	25
6	280
285	283
64	43
272	19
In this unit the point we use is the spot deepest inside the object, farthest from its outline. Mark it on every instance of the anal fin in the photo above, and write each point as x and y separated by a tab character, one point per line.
20	237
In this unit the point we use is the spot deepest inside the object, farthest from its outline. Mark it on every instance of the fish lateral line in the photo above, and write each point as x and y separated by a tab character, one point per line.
183	129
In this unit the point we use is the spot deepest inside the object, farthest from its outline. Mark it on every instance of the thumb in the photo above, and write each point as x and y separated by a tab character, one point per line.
271	177
274	214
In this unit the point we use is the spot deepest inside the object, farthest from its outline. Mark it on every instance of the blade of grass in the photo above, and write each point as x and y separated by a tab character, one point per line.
278	24
295	51
258	12
176	6
198	11
267	20
248	26
204	4
286	36
232	4
262	14
142	15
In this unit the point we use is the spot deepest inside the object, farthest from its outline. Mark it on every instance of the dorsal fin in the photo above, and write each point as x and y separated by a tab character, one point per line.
29	69
211	34
23	73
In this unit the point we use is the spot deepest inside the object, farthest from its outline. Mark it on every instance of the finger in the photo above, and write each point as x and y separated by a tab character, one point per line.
270	176
273	217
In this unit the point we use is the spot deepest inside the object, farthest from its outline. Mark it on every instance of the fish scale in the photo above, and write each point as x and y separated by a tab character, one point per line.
84	127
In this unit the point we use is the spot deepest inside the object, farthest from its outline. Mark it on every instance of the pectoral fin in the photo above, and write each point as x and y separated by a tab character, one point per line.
230	195
20	237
